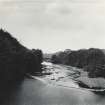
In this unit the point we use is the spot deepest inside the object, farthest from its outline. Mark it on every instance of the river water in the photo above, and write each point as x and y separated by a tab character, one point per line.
56	87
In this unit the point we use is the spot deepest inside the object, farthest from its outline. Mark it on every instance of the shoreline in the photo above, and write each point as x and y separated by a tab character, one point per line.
67	87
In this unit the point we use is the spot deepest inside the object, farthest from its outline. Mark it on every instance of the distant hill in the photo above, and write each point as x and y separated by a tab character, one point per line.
91	60
16	60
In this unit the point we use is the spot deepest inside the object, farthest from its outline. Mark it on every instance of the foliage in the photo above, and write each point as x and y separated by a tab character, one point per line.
89	59
16	60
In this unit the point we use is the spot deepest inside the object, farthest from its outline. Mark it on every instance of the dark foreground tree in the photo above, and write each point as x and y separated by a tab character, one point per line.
16	60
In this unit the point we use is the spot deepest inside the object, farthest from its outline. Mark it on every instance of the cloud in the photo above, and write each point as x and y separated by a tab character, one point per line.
62	8
55	14
72	23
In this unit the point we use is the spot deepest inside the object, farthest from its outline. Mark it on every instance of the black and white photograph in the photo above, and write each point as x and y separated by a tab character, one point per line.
52	52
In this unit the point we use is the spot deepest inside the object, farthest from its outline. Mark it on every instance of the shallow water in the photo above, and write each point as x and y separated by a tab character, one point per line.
70	77
60	75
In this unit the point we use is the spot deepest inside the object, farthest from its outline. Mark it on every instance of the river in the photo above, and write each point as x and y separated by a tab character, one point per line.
54	88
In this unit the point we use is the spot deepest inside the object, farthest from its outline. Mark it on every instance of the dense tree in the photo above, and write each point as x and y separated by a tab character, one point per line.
91	60
16	60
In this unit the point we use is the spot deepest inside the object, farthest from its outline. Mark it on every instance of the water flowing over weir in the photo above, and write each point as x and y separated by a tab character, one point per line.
67	76
58	75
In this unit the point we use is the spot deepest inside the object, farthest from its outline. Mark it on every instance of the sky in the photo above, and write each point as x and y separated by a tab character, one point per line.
53	25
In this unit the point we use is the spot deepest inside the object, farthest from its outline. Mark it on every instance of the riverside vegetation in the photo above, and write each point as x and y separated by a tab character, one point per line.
16	60
91	60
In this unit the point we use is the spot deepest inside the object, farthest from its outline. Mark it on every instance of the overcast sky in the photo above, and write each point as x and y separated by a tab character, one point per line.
53	25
